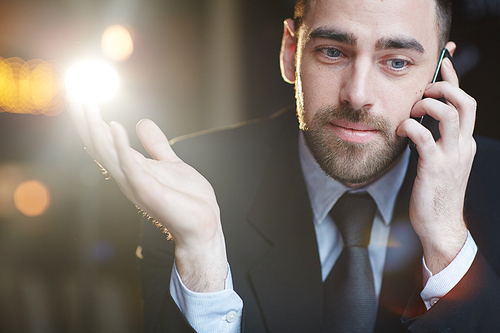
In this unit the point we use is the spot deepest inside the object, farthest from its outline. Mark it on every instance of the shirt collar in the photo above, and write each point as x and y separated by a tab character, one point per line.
324	191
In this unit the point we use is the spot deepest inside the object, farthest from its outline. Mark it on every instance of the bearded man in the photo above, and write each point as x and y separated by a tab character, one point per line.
271	252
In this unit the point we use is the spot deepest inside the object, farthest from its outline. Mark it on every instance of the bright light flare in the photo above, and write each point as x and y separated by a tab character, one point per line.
117	43
92	81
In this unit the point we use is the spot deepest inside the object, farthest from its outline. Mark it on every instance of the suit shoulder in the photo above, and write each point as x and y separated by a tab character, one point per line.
241	137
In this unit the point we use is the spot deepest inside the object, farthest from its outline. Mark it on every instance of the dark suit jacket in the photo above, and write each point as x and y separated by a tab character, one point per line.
272	248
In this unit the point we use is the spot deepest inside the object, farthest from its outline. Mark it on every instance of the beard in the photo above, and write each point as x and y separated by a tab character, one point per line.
348	162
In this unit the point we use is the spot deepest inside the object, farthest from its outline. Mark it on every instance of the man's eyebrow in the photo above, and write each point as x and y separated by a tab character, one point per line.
335	35
399	43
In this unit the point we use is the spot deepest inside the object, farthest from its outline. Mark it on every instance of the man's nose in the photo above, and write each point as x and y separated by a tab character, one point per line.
359	85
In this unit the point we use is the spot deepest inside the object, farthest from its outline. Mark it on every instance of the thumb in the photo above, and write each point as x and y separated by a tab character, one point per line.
154	141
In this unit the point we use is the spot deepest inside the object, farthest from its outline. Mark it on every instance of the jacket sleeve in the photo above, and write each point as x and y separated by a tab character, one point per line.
171	319
207	313
473	305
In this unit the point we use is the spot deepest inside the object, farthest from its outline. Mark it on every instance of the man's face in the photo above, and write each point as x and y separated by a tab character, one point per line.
360	67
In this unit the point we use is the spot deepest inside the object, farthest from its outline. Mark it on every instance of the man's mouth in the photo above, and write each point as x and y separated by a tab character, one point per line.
353	132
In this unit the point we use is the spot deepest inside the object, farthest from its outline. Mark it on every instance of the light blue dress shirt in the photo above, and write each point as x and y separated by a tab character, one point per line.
221	311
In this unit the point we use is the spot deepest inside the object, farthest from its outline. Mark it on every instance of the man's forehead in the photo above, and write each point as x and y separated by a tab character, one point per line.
416	10
378	20
340	5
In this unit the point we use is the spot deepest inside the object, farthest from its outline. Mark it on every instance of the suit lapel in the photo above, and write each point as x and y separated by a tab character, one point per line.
287	280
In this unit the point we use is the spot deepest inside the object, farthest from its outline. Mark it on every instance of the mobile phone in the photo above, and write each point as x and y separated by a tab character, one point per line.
427	121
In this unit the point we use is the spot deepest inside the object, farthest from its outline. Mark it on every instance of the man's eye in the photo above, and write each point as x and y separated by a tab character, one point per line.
397	63
333	53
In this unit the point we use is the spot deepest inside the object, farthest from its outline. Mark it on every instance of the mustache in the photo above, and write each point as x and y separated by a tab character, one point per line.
348	113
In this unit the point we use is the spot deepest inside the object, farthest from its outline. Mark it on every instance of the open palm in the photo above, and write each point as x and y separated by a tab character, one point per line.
164	187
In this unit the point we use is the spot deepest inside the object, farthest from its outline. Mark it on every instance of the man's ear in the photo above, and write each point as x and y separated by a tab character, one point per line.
451	47
287	54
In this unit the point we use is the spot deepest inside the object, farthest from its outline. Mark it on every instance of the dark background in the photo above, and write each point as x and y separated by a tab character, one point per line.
196	65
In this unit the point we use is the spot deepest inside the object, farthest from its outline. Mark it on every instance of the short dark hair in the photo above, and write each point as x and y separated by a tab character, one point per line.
443	17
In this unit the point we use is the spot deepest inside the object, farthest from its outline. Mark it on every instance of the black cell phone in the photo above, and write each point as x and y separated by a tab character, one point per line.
427	121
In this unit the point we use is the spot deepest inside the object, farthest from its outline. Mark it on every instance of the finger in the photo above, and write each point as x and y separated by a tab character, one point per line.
449	127
134	176
421	136
126	160
463	103
154	141
75	110
448	73
100	136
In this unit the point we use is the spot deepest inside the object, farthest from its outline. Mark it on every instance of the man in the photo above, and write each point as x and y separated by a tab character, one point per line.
360	70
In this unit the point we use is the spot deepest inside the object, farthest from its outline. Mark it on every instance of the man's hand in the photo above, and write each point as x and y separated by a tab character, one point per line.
164	187
437	200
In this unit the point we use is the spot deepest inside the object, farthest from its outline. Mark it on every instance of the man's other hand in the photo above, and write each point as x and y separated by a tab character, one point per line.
164	187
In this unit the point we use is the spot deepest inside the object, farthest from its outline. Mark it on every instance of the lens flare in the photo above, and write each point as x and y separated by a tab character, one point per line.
32	198
92	81
30	87
117	43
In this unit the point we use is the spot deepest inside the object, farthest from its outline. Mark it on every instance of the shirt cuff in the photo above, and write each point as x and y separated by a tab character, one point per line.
436	286
219	311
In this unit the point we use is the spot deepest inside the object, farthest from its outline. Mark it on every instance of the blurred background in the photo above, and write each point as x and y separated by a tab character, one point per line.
68	238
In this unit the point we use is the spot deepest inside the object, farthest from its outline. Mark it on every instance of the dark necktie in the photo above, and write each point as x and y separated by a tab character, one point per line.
349	293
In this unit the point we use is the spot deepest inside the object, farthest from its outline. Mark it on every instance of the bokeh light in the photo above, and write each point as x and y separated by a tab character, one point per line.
32	87
92	81
32	198
117	43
